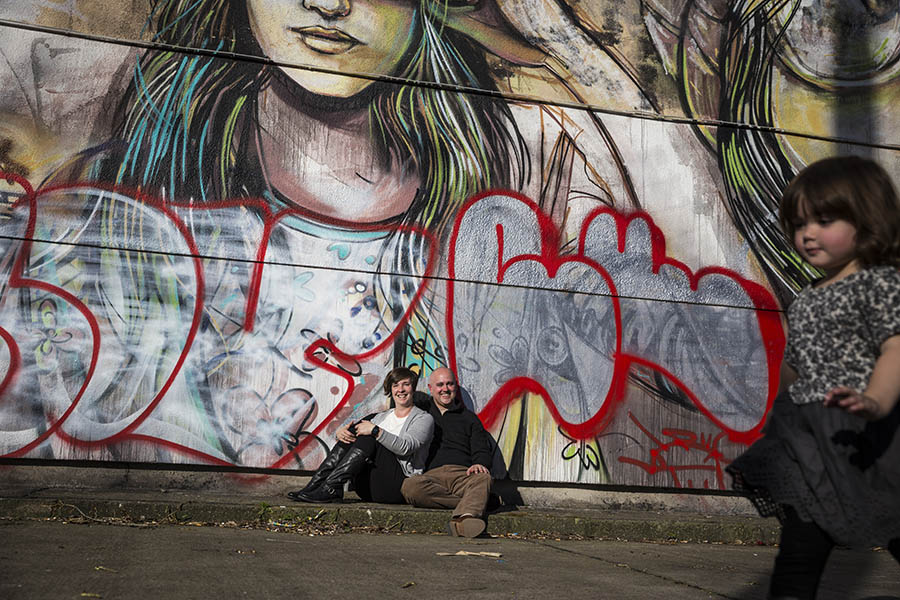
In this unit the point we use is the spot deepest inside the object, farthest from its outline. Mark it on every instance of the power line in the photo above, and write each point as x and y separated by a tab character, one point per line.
509	96
379	273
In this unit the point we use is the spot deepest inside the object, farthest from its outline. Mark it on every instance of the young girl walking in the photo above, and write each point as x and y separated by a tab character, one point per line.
828	465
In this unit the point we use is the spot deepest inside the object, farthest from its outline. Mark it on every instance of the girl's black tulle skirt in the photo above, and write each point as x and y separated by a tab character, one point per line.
835	469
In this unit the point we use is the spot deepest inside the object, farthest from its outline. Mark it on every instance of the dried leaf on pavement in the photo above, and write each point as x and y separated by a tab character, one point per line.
467	553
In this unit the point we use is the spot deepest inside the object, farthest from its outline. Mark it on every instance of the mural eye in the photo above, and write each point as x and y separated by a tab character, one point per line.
552	346
837	43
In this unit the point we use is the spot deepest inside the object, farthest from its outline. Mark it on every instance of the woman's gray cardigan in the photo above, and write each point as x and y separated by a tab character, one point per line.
411	444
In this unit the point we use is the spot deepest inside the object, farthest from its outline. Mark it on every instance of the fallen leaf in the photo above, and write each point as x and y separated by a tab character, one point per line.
102	568
90	595
467	553
408	584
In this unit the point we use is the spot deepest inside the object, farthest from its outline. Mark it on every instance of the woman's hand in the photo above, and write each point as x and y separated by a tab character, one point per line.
855	403
364	428
345	435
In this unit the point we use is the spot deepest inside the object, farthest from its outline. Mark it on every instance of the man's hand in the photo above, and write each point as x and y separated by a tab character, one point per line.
344	435
477	469
855	403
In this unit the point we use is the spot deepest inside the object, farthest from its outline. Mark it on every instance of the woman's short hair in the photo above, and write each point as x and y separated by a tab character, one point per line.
855	189
399	374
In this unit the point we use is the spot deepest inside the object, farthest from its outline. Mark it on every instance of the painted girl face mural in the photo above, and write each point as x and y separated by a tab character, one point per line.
309	215
338	36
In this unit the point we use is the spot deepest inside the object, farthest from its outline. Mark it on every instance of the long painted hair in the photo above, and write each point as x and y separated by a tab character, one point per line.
756	162
184	111
752	160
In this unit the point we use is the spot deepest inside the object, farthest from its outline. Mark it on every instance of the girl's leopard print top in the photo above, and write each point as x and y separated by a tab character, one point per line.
835	332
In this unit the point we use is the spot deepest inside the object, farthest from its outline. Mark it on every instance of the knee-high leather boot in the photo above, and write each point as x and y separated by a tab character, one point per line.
332	489
331	461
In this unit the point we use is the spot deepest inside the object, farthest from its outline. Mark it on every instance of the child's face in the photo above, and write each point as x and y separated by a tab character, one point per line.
345	36
824	242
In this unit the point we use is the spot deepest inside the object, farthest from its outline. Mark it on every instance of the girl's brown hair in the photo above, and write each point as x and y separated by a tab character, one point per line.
399	374
855	189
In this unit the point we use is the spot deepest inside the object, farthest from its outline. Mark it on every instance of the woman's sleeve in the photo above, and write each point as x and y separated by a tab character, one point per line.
417	434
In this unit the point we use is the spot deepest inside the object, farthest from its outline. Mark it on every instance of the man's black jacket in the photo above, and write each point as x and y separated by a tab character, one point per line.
459	438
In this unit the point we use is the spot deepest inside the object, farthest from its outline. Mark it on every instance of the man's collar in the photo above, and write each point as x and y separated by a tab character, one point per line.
457	406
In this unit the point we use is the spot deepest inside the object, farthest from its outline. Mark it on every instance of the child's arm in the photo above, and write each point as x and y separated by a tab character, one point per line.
883	391
786	376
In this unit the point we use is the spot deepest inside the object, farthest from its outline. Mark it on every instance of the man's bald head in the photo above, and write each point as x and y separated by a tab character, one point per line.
442	387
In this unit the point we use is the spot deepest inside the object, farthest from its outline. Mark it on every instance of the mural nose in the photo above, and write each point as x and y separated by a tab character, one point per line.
328	8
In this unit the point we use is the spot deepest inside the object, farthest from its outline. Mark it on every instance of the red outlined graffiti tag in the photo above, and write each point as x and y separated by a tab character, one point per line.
321	353
548	262
324	353
706	446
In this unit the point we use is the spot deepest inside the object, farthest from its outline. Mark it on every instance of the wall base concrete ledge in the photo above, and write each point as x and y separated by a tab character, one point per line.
141	495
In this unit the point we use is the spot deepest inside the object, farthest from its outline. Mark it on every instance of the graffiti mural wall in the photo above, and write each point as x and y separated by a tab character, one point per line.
223	221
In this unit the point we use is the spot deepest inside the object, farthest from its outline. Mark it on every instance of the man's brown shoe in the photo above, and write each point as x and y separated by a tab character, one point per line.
466	526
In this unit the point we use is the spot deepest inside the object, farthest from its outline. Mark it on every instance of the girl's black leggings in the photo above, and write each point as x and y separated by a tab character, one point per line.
801	559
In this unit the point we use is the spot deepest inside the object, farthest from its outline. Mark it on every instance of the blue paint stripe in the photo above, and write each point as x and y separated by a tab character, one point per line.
200	161
185	109
157	141
184	14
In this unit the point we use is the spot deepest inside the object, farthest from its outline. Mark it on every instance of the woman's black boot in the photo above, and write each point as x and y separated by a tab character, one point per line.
331	461
332	489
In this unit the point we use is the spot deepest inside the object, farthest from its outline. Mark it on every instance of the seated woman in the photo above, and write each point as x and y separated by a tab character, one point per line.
378	452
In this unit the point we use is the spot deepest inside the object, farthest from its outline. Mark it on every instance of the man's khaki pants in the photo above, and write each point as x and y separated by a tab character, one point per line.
448	486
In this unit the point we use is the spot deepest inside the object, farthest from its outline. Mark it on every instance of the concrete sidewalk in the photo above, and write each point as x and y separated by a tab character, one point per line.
63	560
141	496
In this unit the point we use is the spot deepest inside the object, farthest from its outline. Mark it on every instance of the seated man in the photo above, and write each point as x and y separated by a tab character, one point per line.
458	467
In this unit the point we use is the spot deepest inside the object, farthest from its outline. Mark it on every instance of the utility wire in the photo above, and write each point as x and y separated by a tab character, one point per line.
510	96
378	272
239	57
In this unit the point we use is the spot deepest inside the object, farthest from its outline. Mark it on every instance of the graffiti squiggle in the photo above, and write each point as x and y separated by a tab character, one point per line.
578	322
116	336
712	461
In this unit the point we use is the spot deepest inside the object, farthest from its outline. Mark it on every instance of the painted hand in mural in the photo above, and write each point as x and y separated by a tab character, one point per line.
714	333
98	353
240	357
569	326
